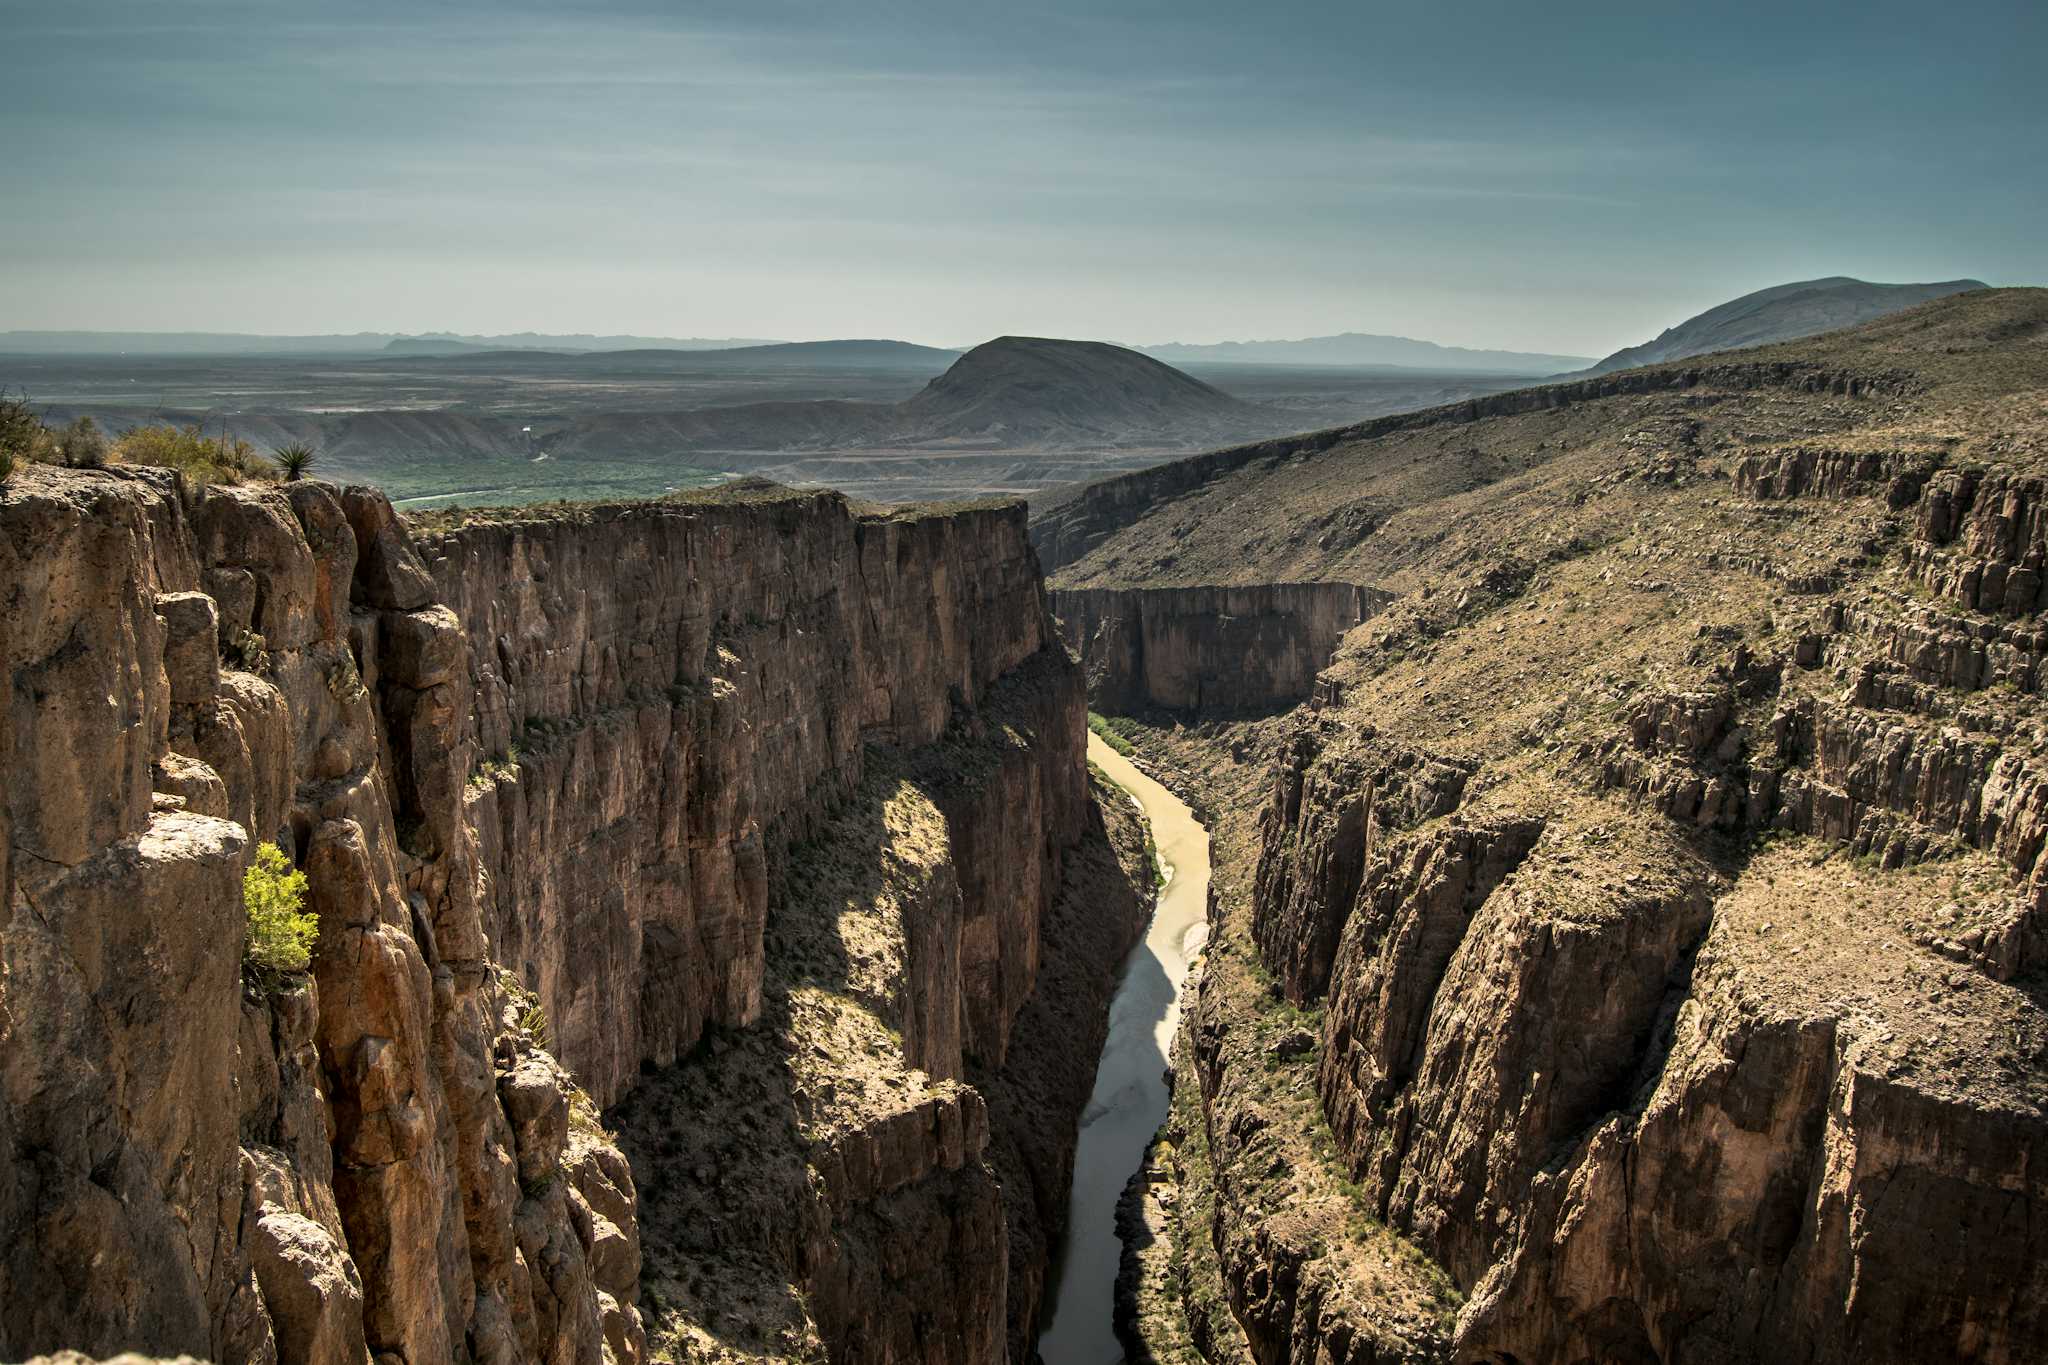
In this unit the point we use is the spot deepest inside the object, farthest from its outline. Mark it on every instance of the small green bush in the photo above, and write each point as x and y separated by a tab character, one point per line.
82	445
281	931
533	1019
22	434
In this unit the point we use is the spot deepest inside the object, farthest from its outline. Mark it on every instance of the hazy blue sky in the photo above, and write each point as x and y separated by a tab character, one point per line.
1546	176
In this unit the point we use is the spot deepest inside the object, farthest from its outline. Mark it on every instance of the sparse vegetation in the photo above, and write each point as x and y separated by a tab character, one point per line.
1107	728
199	457
532	1016
22	435
344	682
281	931
492	771
533	1021
585	1117
82	445
248	651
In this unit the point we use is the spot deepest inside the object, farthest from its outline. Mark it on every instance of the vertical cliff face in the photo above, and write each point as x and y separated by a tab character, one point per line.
746	799
1214	650
669	695
758	763
375	1159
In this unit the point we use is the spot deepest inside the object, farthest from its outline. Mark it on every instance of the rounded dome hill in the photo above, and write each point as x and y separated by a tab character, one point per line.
1036	389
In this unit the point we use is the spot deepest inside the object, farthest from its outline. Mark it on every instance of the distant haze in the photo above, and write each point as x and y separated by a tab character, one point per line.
33	342
1563	180
1354	348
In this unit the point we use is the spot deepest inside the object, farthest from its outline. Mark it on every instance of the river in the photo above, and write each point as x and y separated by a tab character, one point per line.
1130	1099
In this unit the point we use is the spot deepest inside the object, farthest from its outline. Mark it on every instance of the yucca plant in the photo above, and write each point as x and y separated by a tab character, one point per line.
295	459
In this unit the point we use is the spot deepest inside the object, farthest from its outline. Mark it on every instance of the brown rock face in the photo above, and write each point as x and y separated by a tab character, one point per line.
667	696
329	1173
749	768
1216	650
1658	880
694	721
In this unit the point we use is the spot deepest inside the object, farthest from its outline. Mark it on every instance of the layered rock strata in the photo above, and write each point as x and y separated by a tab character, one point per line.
1635	951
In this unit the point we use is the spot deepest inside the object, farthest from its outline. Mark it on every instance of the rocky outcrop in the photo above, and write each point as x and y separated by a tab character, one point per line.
1217	650
1981	539
364	1163
1629	1133
1815	471
1336	796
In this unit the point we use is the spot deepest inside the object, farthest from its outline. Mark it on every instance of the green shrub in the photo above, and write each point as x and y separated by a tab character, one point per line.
201	458
281	931
533	1019
22	434
82	445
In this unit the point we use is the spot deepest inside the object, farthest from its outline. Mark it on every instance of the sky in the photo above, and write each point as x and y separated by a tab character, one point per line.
1560	177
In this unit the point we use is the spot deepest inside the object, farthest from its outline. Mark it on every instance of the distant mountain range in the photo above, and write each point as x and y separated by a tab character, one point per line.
448	343
1013	392
1352	350
1785	312
1361	349
795	355
353	343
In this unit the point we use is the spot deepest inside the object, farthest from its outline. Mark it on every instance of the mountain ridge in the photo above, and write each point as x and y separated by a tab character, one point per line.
1784	312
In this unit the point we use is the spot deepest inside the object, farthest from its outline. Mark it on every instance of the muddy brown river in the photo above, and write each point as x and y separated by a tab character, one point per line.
1130	1099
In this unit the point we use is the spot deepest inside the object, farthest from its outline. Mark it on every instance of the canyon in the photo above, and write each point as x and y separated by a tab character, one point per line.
1614	925
717	921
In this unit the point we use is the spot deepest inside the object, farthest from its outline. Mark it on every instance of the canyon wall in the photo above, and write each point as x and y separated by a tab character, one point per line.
1217	650
371	1159
744	798
667	695
681	711
1693	1015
